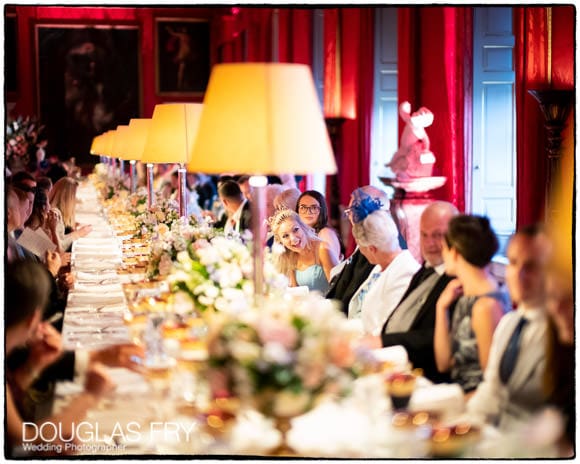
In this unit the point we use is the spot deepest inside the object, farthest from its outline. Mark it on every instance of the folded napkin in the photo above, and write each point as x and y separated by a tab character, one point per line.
92	288
95	298
395	355
109	254
110	248
297	291
444	398
103	310
96	276
89	241
254	434
323	432
88	265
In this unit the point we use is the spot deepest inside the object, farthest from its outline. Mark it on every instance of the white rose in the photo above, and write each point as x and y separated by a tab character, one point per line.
276	353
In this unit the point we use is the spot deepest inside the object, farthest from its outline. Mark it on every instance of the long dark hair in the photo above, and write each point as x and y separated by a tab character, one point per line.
322	221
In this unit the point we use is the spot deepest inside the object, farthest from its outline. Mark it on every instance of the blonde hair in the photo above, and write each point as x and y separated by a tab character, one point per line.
63	198
287	261
287	199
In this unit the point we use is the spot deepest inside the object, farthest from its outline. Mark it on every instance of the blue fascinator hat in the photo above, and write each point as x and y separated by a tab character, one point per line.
363	205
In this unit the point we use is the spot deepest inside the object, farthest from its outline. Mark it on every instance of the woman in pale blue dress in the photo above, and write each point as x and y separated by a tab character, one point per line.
306	260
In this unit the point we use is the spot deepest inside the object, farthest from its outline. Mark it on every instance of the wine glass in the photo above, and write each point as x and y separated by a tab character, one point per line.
400	387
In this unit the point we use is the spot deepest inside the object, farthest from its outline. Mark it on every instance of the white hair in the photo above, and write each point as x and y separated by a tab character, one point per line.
377	229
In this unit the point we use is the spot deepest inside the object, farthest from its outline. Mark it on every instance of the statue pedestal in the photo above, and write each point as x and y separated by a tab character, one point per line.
411	197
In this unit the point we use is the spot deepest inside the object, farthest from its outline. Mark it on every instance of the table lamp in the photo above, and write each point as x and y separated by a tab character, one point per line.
108	150
118	147
97	146
136	138
170	139
260	119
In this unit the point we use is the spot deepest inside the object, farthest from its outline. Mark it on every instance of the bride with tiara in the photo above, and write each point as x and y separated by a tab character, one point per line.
306	260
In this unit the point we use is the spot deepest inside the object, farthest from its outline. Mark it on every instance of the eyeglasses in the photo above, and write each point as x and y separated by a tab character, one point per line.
310	209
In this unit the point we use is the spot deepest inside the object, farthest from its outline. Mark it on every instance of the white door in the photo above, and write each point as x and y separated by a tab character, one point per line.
493	167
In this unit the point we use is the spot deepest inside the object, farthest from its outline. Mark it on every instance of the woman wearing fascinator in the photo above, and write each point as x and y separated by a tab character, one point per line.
306	260
378	240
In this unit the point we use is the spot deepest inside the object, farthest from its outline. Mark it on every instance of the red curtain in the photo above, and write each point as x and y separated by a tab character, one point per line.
531	73
357	68
433	73
532	29
295	36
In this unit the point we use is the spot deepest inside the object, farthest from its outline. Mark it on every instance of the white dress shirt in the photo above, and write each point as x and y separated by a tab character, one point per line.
376	298
233	223
514	402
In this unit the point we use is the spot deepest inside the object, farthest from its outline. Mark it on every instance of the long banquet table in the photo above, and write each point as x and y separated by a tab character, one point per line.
133	421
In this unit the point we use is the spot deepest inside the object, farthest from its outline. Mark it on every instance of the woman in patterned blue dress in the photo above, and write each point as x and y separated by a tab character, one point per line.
471	305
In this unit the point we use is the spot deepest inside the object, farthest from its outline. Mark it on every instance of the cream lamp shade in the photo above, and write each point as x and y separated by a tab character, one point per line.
97	145
171	133
136	138
108	143
262	118
118	148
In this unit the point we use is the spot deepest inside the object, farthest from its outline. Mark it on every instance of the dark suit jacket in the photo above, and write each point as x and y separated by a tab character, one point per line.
418	341
346	283
246	217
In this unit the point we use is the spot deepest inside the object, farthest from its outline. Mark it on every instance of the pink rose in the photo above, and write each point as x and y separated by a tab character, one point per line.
274	331
340	352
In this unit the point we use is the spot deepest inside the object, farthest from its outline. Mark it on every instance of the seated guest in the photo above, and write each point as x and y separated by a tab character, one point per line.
40	218
27	288
306	260
24	181
63	203
244	183
312	209
203	185
238	217
288	199
462	345
352	272
45	184
18	209
512	389
559	383
412	322
377	238
272	190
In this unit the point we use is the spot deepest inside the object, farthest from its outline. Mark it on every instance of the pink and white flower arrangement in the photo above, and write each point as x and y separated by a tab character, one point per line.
164	211
216	273
173	239
282	356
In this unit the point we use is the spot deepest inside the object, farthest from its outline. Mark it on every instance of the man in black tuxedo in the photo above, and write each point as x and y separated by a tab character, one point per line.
357	268
412	323
238	215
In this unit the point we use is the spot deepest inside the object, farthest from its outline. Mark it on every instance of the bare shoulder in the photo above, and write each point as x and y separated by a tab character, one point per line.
487	308
327	233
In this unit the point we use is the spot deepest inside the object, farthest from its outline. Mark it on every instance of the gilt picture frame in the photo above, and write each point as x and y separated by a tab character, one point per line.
88	82
182	56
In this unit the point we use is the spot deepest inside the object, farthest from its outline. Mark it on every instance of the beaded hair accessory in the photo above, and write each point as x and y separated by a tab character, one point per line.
363	205
280	216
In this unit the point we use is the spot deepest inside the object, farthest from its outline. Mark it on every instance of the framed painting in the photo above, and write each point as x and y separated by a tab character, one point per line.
182	56
88	83
10	54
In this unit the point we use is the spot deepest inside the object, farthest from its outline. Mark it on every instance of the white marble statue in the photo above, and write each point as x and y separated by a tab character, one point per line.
413	159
